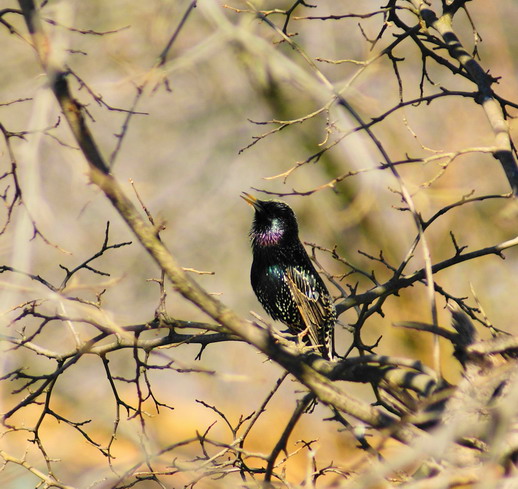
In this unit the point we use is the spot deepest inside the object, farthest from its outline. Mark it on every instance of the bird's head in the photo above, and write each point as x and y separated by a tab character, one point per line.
274	222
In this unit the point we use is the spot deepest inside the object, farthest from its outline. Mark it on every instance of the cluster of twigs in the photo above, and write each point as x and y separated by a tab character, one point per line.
412	399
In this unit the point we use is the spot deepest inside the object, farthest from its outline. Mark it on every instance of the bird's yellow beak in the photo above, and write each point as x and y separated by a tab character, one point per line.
249	199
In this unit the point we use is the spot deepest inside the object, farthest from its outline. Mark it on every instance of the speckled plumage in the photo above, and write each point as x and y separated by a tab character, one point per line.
284	279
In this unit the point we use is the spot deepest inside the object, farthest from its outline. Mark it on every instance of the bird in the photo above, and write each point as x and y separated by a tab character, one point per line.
284	278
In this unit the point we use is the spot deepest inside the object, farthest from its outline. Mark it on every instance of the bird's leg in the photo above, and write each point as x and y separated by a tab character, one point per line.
302	334
299	336
303	346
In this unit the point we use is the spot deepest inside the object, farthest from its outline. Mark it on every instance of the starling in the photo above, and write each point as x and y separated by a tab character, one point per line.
284	279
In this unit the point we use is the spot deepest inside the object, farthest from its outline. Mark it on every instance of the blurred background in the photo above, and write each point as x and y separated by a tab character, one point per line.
188	153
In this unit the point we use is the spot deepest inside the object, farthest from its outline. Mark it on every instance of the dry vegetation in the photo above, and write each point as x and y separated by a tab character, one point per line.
133	353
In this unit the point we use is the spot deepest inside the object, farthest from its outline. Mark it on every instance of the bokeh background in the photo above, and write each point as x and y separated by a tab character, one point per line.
184	152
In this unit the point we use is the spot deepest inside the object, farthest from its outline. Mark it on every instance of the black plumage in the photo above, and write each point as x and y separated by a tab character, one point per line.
284	279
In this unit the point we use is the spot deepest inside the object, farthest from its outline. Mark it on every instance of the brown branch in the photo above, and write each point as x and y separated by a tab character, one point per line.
46	479
281	444
163	55
400	282
492	108
260	338
86	264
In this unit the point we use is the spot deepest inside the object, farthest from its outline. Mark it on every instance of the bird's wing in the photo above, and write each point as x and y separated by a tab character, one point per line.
312	307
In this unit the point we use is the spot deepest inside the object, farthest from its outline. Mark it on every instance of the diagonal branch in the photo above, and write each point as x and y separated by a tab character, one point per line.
492	108
402	281
146	233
